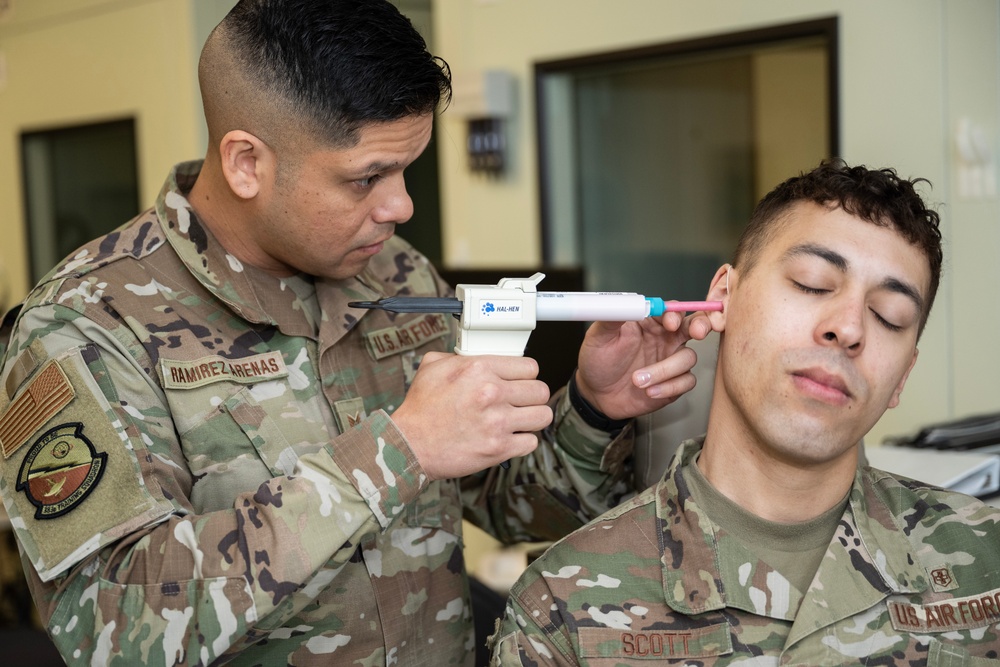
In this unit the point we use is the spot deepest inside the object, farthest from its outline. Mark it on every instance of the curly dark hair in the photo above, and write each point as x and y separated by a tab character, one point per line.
340	63
878	196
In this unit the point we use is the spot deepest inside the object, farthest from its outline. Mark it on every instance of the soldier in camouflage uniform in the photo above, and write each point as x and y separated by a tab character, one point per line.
209	457
765	542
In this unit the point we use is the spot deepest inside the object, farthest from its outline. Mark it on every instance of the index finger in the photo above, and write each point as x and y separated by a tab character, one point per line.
510	367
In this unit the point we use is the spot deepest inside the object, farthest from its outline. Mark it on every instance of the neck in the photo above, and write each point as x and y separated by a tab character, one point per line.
770	486
228	218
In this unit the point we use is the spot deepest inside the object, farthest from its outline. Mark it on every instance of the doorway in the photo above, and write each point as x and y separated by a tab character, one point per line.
79	182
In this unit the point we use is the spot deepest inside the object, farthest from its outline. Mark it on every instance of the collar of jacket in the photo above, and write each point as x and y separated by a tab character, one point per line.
869	557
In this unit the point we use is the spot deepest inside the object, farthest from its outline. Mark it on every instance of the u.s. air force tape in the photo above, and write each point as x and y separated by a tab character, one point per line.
406	336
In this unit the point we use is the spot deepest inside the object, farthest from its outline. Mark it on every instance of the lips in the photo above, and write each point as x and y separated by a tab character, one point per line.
822	385
374	248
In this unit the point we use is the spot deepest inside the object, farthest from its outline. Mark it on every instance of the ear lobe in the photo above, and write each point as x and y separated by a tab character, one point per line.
245	159
897	392
718	290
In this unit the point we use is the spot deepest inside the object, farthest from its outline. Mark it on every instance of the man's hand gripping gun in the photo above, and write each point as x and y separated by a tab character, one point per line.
498	319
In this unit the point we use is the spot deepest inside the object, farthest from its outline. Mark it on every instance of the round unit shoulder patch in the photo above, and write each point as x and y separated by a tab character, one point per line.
60	470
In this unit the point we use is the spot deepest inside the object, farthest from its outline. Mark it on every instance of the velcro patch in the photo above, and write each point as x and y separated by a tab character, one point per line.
45	396
965	613
60	470
177	374
708	641
80	485
406	336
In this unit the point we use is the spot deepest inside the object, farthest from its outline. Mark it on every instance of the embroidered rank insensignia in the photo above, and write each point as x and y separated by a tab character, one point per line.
60	470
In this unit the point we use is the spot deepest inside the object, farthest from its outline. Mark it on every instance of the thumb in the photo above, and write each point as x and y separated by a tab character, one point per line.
600	333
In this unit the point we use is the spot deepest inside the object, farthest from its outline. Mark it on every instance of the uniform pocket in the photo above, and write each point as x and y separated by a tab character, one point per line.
943	654
263	433
236	437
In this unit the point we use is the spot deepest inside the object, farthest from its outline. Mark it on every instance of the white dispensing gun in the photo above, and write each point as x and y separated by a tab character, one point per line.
499	319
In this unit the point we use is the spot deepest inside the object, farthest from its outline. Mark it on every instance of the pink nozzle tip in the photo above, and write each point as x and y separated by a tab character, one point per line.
691	306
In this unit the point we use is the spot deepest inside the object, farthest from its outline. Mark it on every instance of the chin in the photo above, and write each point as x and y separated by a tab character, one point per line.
809	444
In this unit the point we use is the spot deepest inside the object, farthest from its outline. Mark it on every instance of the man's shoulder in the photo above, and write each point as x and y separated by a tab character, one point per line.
903	494
138	238
927	514
98	263
598	546
401	268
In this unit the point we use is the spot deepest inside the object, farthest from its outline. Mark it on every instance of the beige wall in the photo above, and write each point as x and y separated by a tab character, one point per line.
779	77
910	69
71	62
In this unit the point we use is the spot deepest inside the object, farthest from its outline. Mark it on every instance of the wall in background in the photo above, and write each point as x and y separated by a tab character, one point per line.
73	62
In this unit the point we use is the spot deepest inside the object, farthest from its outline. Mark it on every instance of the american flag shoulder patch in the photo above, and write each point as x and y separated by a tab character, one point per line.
47	394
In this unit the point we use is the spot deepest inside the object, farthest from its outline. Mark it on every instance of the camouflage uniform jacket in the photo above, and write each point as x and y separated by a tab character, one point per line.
198	471
911	577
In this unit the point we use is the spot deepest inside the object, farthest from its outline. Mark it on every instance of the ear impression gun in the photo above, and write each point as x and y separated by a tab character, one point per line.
498	319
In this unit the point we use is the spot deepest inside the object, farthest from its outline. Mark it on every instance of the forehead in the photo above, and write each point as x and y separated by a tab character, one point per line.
868	248
403	136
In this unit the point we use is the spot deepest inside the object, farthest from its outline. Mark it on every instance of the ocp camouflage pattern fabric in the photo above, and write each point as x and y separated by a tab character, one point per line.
201	466
911	577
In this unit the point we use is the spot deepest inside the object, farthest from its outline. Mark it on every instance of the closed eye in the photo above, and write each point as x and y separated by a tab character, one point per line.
887	324
809	290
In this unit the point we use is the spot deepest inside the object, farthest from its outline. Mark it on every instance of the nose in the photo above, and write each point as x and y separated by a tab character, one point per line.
396	206
843	325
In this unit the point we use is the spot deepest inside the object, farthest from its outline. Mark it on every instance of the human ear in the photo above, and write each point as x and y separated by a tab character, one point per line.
894	399
246	162
719	290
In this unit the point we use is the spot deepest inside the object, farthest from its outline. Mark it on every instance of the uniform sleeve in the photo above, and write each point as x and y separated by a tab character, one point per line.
525	636
97	489
577	473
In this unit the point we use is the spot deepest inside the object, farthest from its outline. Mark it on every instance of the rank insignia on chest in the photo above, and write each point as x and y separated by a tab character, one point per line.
349	413
60	470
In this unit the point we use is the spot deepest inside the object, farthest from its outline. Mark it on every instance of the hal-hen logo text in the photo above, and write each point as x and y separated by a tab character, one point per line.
489	307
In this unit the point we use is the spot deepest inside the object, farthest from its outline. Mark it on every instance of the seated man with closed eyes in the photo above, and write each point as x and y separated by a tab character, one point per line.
766	542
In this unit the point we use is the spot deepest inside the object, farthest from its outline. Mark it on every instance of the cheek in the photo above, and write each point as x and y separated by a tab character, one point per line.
889	370
762	327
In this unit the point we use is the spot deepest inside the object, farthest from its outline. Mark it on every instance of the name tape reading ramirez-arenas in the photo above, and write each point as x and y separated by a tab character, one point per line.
247	370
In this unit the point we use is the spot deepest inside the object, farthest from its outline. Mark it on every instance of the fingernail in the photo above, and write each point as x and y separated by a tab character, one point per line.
642	378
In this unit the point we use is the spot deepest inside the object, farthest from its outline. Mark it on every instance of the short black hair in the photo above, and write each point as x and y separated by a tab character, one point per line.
878	196
340	64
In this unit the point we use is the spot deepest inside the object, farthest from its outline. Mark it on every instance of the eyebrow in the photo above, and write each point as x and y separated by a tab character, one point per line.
840	263
376	167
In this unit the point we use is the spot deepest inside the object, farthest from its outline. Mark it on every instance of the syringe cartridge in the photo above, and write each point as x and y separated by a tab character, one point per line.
558	306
